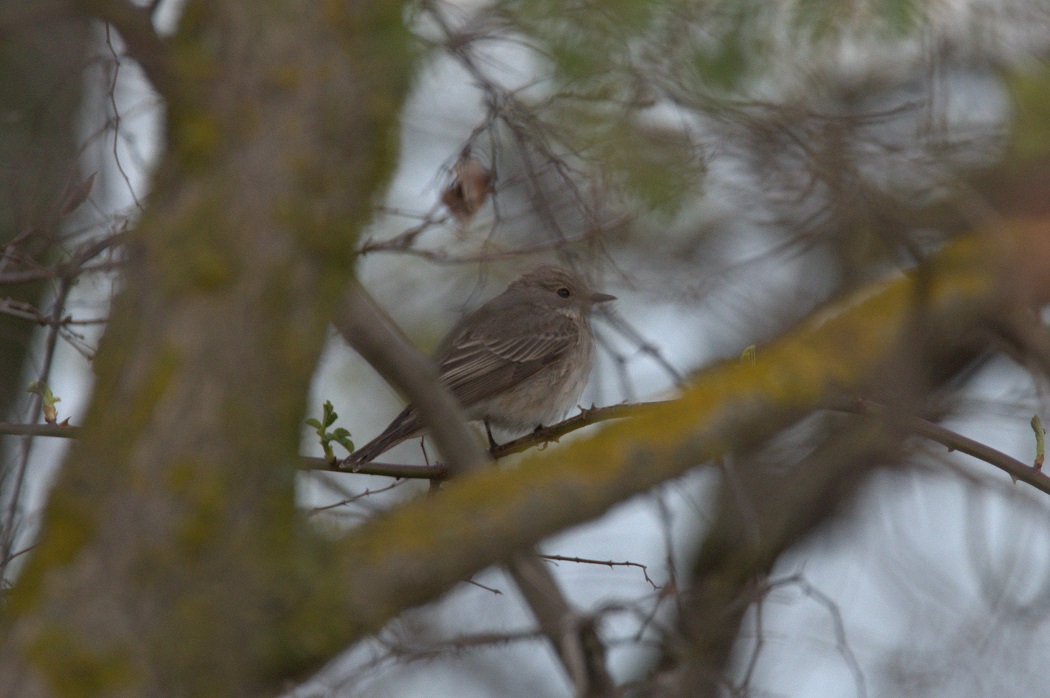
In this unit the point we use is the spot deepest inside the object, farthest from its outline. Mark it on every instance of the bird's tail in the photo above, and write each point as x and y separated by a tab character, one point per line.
404	426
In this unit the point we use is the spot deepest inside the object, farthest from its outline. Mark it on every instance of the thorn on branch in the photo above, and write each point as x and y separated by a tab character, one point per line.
1040	442
77	194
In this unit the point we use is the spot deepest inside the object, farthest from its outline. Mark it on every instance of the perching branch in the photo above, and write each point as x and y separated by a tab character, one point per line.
371	332
404	559
585	418
437	471
595	415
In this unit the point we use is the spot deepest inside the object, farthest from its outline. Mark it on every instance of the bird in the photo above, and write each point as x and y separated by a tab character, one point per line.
519	362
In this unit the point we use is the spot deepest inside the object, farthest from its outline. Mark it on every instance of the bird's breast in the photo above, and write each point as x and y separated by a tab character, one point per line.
545	397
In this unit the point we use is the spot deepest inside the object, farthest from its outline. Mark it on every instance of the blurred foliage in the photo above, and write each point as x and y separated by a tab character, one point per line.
818	20
612	61
1030	90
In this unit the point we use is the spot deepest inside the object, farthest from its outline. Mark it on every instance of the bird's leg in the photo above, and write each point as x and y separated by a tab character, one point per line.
492	442
539	428
435	483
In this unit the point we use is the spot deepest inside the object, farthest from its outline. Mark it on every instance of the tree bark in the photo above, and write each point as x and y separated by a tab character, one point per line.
171	560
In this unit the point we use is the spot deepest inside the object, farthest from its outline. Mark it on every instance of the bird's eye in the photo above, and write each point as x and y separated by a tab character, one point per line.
564	292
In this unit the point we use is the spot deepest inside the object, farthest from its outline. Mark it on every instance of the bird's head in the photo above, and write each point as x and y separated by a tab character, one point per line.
559	287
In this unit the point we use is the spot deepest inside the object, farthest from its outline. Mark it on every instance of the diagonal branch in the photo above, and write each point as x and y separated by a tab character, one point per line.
955	441
403	559
135	25
371	332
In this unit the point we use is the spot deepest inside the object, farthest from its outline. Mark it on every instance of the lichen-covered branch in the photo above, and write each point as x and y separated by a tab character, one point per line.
401	559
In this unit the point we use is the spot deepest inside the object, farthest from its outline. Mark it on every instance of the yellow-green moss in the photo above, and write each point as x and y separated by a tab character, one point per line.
205	494
1031	96
73	666
136	415
197	253
70	525
73	507
285	76
197	137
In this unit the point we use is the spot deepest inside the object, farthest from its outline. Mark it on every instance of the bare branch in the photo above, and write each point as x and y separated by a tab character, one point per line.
955	442
604	563
370	331
62	431
135	25
437	471
14	495
586	417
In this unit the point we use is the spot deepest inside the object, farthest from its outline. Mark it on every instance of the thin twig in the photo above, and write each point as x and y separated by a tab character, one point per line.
14	498
62	431
955	442
603	563
351	500
586	417
116	117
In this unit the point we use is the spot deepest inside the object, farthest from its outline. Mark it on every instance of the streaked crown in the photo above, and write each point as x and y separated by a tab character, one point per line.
563	286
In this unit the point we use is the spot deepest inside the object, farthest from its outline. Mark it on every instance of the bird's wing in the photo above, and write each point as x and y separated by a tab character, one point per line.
483	361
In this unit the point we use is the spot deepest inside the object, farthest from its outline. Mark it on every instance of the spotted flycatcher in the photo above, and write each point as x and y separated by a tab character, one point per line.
518	362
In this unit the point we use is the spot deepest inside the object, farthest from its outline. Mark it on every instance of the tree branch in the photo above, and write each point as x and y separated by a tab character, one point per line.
438	471
62	431
371	332
955	442
586	417
135	25
172	523
405	560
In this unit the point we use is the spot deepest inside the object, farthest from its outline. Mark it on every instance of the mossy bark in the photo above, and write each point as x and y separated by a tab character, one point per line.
171	560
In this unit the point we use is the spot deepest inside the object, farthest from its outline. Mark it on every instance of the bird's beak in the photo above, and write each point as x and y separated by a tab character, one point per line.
601	298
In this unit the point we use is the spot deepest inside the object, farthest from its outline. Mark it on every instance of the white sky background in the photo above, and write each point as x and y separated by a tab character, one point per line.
914	583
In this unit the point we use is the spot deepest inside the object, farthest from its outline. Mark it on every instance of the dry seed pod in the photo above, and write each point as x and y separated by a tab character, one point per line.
469	189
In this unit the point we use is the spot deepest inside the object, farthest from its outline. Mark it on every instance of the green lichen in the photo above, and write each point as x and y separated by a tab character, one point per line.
73	666
1030	90
204	491
197	137
195	248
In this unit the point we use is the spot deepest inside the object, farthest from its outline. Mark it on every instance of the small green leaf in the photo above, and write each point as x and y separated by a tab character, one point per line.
339	435
749	355
47	399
